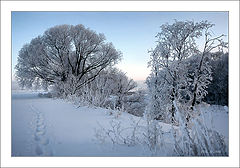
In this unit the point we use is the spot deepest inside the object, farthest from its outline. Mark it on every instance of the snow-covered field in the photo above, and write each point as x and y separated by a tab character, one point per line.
53	127
48	127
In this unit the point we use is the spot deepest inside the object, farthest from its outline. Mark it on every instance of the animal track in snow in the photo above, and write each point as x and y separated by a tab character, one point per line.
45	142
38	150
41	140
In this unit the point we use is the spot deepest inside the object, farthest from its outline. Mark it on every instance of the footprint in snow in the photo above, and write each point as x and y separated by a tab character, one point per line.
40	133
42	142
38	150
39	117
40	123
45	142
40	128
37	137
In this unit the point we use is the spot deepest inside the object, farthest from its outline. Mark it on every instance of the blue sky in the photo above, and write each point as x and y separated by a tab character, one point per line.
133	33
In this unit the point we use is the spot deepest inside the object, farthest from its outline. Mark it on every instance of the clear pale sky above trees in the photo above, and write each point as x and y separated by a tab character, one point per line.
133	33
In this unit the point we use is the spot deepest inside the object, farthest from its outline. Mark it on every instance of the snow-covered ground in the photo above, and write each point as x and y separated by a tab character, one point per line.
53	127
50	127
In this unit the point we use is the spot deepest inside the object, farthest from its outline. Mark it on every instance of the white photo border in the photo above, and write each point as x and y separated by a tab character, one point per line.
8	6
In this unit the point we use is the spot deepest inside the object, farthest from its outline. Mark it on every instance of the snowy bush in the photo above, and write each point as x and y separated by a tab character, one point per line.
107	90
159	139
153	137
197	139
119	134
135	103
46	95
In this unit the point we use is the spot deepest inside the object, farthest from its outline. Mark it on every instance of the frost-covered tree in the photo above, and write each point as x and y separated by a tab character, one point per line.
136	102
202	74
65	56
168	80
122	86
218	88
37	84
181	71
108	89
158	90
180	75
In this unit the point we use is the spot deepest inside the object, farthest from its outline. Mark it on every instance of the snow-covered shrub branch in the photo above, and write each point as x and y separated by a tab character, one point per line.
119	134
196	139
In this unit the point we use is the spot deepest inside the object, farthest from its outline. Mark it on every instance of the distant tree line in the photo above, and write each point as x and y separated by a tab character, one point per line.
218	88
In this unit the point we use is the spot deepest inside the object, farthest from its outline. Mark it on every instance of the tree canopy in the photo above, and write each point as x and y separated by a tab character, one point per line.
65	54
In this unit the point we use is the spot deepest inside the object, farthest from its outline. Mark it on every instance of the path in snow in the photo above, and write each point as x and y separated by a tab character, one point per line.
40	136
29	129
